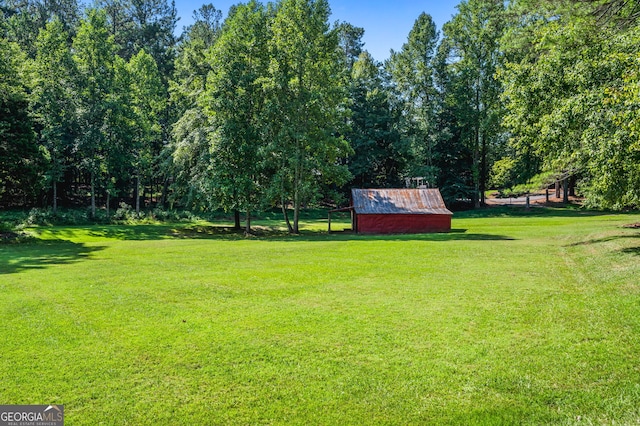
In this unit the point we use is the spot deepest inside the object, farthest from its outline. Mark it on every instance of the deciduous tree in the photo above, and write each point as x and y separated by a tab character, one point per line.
94	55
20	159
190	153
411	71
305	105
569	91
473	37
234	101
53	100
381	154
148	100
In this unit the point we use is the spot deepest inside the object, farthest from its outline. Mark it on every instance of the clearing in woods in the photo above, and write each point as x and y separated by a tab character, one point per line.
513	317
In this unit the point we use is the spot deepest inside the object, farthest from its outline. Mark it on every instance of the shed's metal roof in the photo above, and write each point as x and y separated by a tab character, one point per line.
398	201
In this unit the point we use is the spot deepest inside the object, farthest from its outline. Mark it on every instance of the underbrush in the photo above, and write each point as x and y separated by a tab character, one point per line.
126	214
12	233
535	184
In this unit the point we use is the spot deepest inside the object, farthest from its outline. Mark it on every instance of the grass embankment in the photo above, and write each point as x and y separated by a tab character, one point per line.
511	318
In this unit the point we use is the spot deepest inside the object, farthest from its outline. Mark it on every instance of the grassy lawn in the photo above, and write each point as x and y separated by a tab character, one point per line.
512	317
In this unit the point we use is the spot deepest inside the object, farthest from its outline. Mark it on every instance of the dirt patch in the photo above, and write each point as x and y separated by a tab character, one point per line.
632	225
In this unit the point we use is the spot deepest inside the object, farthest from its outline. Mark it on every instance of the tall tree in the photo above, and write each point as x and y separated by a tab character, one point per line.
454	157
121	133
143	24
53	100
569	91
411	73
381	154
20	158
473	37
148	25
25	19
234	101
190	135
120	23
148	96
350	42
94	56
305	105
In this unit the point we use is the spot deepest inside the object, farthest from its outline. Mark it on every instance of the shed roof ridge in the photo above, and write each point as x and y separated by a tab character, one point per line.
398	201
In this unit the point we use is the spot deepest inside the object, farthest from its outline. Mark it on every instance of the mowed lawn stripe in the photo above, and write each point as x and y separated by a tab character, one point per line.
528	319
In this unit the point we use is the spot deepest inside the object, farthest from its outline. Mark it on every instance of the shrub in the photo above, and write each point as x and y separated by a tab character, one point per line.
503	173
6	227
126	213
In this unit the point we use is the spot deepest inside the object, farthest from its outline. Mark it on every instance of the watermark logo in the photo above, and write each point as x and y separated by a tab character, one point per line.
31	415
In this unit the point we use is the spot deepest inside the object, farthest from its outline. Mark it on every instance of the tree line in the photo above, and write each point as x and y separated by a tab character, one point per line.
274	106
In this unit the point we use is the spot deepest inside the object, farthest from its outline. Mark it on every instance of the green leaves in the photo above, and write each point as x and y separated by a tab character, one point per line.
267	93
234	101
472	46
412	74
306	93
381	154
53	99
20	158
571	98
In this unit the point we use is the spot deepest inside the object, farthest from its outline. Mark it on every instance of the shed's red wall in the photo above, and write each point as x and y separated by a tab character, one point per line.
402	223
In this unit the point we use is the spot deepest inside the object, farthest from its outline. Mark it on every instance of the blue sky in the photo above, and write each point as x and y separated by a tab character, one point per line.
386	22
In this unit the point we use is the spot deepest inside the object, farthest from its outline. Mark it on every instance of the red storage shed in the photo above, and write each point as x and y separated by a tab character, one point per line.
396	211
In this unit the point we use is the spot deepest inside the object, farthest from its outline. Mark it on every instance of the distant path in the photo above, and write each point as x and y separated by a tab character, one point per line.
520	201
539	199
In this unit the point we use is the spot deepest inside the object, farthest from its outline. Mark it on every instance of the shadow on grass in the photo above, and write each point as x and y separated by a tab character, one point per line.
38	255
603	240
258	232
453	235
263	233
534	211
133	232
161	232
631	250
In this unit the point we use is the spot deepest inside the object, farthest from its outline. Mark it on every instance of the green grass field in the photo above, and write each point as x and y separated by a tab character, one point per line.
512	318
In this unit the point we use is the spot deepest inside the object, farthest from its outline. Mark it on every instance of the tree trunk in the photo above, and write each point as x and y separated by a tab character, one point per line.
137	195
108	202
286	217
565	187
296	218
93	195
483	170
236	220
284	207
297	184
296	212
247	222
296	203
572	186
557	188
476	149
476	171
55	197
165	193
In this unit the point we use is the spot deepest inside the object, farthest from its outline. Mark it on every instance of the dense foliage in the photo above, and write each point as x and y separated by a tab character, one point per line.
571	94
274	107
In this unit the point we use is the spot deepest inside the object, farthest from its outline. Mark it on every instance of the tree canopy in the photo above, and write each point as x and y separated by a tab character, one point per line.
272	106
